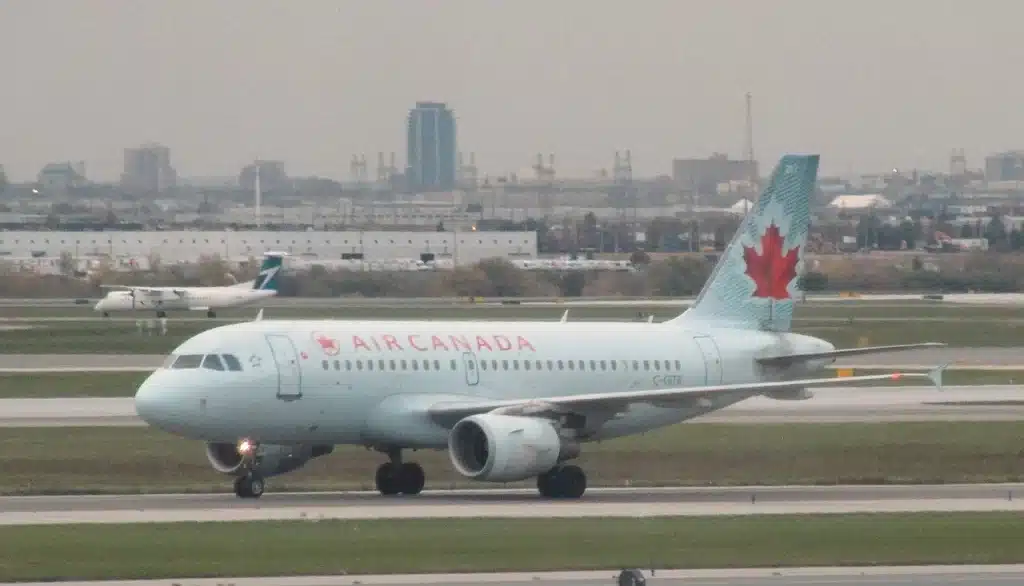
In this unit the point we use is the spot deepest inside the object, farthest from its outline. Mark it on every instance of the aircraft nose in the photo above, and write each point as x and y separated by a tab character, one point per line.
154	404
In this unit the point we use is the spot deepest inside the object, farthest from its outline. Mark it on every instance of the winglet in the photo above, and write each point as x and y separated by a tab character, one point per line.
259	315
565	317
935	375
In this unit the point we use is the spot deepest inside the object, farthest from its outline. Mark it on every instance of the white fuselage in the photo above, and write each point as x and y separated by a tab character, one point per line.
190	298
369	382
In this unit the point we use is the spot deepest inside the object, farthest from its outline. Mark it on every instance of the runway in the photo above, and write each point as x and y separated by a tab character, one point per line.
829	405
974	575
503	503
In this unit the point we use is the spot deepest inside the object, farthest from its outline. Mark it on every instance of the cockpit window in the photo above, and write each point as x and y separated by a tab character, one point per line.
232	362
212	362
188	361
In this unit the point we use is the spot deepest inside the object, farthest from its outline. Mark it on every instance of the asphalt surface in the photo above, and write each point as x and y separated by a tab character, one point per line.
996	575
499	503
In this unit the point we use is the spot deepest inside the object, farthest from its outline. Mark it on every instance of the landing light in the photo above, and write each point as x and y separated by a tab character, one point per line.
245	447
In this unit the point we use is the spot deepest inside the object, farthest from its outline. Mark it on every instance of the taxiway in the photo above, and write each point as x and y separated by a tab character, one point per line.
511	503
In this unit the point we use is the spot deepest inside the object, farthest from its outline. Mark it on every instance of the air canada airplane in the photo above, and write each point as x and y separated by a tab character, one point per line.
509	401
208	299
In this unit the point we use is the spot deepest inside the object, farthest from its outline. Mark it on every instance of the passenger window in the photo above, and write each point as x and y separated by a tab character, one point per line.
359	364
572	365
188	361
636	365
453	365
647	365
437	365
582	365
415	364
604	365
614	364
494	365
560	365
404	365
426	365
337	365
380	364
325	364
551	365
540	365
515	365
657	365
593	365
212	362
232	362
677	366
369	365
348	365
483	365
526	364
393	365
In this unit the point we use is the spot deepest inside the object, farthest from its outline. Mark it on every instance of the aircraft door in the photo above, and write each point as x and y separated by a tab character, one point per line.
712	360
472	367
289	375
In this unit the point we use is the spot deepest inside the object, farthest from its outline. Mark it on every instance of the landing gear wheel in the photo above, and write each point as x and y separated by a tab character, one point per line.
211	313
406	478
250	486
566	482
161	314
387	479
411	478
106	314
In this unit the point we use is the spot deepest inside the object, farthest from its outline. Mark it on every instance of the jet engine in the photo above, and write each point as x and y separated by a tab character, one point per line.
505	448
268	460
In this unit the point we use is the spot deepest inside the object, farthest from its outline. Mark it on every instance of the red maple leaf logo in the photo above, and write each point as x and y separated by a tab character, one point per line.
329	345
772	271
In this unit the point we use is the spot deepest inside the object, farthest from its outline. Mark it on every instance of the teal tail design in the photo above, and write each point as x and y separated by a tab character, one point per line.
269	270
756	282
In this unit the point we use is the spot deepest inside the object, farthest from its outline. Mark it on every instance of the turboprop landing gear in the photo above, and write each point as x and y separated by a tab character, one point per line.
397	477
250	486
211	313
562	482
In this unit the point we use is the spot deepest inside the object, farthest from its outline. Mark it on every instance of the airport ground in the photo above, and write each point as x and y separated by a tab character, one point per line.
841	440
66	330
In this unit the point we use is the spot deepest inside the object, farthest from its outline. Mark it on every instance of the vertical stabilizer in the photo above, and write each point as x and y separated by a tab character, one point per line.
269	270
756	281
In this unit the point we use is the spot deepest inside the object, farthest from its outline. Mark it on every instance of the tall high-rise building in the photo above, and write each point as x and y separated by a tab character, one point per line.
147	169
431	151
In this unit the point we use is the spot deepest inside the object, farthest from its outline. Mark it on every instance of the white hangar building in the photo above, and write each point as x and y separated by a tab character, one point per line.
187	246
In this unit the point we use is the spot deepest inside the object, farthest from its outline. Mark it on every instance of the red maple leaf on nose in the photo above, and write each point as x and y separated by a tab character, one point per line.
772	271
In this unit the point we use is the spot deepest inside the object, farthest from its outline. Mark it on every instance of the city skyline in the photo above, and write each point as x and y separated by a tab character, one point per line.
870	86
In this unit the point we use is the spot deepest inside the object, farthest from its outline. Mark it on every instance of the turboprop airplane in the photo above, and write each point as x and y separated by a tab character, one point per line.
208	299
509	401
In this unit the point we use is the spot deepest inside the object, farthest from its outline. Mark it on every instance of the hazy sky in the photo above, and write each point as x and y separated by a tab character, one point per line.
870	84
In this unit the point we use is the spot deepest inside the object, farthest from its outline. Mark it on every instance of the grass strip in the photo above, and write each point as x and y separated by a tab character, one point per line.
133	460
193	550
70	384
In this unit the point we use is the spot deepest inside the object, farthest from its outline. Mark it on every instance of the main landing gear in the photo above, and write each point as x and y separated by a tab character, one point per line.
397	477
250	486
562	482
211	313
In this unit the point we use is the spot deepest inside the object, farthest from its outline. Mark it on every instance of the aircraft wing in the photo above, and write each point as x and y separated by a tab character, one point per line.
450	412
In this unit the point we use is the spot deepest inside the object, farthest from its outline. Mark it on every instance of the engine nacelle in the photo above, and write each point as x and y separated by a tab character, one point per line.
505	448
269	460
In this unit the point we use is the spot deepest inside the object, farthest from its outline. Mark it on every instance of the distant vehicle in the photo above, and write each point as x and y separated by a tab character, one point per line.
508	400
208	299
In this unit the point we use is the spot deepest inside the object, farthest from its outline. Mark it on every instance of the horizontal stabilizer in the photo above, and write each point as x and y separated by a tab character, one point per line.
794	358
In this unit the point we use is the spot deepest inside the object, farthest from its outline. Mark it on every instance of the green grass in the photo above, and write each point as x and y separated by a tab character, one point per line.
123	336
141	459
192	550
60	385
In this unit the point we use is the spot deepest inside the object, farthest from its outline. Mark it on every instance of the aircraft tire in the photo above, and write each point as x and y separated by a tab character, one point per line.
387	479
411	478
211	314
250	486
566	482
